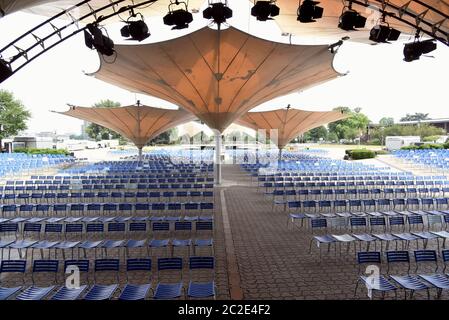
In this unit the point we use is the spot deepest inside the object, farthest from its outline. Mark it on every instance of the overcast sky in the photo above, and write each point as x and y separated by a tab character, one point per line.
378	80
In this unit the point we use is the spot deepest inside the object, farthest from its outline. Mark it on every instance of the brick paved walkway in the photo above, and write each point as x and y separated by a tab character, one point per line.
274	261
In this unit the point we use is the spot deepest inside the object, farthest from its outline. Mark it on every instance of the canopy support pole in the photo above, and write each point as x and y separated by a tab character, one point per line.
280	155
140	153
217	158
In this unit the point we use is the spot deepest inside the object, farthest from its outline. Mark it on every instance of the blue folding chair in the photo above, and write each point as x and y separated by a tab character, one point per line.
406	282
168	290
373	283
136	291
201	290
103	292
11	266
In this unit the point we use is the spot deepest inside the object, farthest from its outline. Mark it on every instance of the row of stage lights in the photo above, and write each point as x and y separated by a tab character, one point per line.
308	11
218	12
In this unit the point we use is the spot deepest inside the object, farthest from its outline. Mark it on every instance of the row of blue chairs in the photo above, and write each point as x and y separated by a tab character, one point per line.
96	208
169	244
163	290
161	224
131	186
357	205
379	220
354	193
408	282
351	184
405	238
38	197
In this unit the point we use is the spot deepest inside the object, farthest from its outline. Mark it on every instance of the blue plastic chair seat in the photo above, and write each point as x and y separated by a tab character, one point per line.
297	216
406	236
201	290
109	244
157	218
65	293
343	238
5	243
191	218
35	293
66	244
182	243
364	237
425	235
381	285
171	218
203	242
410	282
135	292
385	236
442	234
44	244
135	243
6	293
437	280
89	244
101	292
22	244
158	243
324	239
168	291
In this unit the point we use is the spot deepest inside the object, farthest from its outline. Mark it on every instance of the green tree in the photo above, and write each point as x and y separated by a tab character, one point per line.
13	115
351	127
386	122
165	137
415	117
316	134
97	132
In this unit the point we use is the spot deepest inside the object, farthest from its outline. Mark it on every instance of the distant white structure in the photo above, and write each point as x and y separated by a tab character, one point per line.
397	142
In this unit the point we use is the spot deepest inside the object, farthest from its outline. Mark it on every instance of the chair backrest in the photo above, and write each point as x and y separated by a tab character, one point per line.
201	262
95	227
425	256
204	225
53	227
183	225
9	227
83	265
138	265
169	264
138	226
377	221
368	257
101	265
398	256
45	266
161	226
32	227
318	223
415	219
116	227
74	227
396	220
48	266
357	221
9	266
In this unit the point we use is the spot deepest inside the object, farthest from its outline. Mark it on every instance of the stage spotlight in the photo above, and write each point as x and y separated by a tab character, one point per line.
179	18
350	19
414	50
94	39
135	29
265	10
382	33
217	11
5	70
308	11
